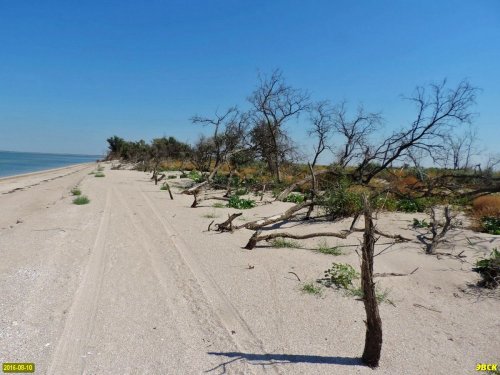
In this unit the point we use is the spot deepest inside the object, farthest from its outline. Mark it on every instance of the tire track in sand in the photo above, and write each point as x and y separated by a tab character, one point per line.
245	339
67	357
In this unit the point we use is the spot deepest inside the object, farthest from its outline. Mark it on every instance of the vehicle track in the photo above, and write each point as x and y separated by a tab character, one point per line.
67	357
231	319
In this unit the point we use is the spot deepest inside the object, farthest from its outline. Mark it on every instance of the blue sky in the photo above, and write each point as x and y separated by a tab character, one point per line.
73	73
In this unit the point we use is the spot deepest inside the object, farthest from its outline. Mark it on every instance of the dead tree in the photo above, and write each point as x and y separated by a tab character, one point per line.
274	103
322	126
438	237
373	337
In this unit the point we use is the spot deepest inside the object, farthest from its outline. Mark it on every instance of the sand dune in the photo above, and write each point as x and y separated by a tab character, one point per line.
132	283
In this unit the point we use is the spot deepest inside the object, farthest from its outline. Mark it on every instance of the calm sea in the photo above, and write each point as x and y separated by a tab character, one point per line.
12	163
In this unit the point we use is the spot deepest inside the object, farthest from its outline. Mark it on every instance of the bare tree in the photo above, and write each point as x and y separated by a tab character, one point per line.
274	103
437	114
461	148
356	132
321	116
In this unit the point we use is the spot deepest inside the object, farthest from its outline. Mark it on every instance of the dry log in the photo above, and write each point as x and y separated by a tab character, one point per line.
258	236
168	189
227	226
292	211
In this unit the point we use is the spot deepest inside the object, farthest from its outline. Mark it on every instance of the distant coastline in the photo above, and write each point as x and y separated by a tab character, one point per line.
13	163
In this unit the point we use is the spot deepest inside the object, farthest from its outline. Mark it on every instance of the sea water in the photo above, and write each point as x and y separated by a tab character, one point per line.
14	163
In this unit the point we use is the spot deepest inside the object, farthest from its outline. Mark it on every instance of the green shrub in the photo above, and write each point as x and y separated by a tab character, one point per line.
420	223
323	248
171	177
416	204
76	191
385	203
239	203
341	275
339	202
489	269
295	198
240	192
491	224
99	174
196	176
93	172
311	288
284	243
164	187
82	199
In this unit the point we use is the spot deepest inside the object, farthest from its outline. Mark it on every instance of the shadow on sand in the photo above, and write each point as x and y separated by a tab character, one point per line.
280	359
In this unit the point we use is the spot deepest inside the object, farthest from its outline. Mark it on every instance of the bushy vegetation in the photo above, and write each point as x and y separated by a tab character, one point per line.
340	202
76	191
341	275
195	176
239	203
491	225
489	269
486	206
295	198
80	200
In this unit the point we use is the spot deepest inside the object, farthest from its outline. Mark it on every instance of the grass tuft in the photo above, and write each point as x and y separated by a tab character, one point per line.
284	243
323	248
218	205
99	174
82	199
210	215
311	288
76	191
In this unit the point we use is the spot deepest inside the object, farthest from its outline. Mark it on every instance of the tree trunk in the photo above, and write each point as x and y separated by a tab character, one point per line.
373	338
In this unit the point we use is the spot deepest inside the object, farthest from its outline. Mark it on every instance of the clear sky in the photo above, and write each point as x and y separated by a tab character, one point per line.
73	73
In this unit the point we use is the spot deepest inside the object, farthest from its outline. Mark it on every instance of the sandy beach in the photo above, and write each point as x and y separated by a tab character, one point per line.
133	283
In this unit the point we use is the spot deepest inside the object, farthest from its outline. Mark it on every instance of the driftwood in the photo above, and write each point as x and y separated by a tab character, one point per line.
292	211
396	237
168	189
258	236
386	274
227	226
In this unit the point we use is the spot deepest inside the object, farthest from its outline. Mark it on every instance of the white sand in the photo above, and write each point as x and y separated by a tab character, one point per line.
133	284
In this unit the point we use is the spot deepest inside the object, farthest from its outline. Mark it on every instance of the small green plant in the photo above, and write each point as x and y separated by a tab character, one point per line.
323	248
82	199
93	172
239	203
341	275
99	174
76	191
489	269
218	205
420	223
163	187
295	198
311	288
408	205
171	177
284	243
240	192
491	225
382	295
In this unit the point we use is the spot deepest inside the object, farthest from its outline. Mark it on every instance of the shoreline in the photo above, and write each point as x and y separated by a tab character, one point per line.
29	174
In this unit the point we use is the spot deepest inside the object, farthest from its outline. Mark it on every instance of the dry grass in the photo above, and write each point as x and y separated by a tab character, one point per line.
488	205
